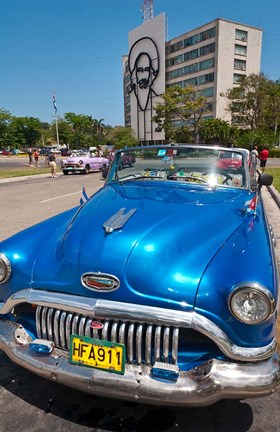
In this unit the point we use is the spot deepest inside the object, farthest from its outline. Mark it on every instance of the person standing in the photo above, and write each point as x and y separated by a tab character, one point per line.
263	158
52	164
36	158
253	161
29	152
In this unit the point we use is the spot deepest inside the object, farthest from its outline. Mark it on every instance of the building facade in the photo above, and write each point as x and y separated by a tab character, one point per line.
211	58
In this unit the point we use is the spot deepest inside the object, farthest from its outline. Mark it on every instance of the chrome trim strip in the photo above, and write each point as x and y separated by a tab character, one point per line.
114	332
148	345
130	343
56	327
166	335
118	220
62	329
8	266
102	278
139	341
38	322
253	286
132	312
157	343
175	346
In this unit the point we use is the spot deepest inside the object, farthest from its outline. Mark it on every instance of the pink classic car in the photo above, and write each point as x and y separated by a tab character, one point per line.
83	164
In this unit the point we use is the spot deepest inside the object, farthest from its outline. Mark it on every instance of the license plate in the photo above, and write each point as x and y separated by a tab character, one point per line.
99	354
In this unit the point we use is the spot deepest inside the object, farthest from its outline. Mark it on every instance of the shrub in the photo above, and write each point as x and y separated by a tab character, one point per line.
274	153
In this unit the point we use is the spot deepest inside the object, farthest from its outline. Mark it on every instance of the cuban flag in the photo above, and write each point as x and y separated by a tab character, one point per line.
84	197
250	206
54	103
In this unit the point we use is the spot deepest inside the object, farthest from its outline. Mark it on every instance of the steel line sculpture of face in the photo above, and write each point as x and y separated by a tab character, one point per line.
143	72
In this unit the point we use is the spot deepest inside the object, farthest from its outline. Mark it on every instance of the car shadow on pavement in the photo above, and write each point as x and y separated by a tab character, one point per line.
39	404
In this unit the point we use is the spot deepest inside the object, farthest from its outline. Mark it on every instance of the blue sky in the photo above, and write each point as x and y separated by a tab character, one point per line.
75	48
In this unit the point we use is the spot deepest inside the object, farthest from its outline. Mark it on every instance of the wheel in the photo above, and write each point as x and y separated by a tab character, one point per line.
65	172
86	171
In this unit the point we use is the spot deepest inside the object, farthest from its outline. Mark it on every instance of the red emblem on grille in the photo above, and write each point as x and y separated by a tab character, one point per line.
97	325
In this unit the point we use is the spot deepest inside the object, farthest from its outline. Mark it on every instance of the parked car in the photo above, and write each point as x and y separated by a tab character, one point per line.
65	152
126	160
7	152
83	164
229	159
160	288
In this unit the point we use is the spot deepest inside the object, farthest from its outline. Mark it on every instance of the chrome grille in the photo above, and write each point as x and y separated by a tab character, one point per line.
145	343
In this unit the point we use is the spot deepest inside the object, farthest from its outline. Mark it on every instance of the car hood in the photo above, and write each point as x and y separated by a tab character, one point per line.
159	253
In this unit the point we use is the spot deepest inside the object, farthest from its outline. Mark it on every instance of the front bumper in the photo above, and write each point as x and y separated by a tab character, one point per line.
201	386
73	169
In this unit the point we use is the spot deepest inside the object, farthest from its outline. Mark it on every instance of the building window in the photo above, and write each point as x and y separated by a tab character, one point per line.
207	49
176	60
240	50
208	92
207	34
241	35
190	69
192	40
240	64
207	64
176	47
204	79
191	55
199	37
237	78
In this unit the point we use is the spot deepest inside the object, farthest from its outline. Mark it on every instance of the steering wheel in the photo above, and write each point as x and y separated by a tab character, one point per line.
226	175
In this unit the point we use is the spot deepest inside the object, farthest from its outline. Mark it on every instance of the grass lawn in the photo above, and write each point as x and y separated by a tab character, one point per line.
20	172
276	177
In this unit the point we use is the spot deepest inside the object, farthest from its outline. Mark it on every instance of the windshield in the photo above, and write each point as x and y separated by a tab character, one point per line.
185	164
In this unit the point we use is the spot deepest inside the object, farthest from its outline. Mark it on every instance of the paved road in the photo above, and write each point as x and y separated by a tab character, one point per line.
31	404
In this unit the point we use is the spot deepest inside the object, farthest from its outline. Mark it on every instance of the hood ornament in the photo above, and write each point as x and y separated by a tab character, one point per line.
100	282
118	220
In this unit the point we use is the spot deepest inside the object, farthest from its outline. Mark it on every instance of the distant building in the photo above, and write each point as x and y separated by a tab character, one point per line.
212	58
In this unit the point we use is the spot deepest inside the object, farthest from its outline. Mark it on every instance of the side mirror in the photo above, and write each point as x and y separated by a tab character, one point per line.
265	180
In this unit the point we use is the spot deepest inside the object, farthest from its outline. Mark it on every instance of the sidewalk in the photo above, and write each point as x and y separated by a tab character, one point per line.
271	200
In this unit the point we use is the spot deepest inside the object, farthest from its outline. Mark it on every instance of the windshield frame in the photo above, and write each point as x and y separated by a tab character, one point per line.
122	174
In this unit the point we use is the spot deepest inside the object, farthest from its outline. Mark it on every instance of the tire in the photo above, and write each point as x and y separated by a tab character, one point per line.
86	171
65	172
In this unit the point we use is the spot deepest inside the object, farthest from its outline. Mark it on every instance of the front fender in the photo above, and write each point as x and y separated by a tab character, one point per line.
247	256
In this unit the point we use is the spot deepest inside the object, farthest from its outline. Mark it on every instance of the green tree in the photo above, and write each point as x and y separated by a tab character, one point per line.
180	105
271	115
80	125
121	137
24	131
96	128
217	131
254	103
65	132
5	120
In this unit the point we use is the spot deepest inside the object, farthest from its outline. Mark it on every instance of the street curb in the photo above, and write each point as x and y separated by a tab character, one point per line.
275	195
27	177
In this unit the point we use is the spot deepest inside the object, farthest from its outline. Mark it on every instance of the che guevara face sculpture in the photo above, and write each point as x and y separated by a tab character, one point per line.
143	70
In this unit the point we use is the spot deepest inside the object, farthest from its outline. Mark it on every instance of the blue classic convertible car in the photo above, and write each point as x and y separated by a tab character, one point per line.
160	288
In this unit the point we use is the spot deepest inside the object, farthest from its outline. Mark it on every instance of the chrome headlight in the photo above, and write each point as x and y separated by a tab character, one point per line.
5	268
81	162
251	303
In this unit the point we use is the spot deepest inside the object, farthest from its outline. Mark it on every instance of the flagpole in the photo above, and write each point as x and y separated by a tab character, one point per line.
57	136
56	122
